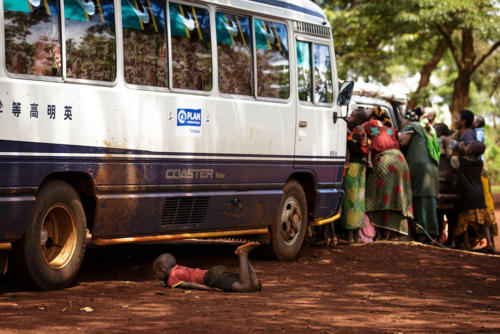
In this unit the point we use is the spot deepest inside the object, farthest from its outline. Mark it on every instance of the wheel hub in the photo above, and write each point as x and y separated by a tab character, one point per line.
291	221
58	236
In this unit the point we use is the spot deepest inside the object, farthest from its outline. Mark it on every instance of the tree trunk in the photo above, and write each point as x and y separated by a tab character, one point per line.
461	91
425	73
465	70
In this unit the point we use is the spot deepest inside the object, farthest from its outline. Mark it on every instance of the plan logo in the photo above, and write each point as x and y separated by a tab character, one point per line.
188	117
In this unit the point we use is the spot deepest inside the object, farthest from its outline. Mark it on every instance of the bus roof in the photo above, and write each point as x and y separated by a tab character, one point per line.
297	10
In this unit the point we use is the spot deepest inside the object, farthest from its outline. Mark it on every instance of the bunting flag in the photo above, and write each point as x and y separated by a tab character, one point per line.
98	11
51	7
303	54
231	28
264	37
144	15
189	22
270	36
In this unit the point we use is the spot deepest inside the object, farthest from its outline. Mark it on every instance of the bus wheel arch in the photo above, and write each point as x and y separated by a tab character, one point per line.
83	184
289	229
309	184
53	245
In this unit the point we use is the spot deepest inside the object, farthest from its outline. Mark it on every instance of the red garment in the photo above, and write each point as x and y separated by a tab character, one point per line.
382	137
181	274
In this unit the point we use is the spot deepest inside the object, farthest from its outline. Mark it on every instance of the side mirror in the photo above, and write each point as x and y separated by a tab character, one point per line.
345	93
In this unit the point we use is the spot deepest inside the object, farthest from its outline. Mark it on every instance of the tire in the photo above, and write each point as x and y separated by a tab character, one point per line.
51	251
289	229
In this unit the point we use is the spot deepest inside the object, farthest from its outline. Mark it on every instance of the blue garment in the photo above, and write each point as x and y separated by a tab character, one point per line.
468	137
480	134
480	137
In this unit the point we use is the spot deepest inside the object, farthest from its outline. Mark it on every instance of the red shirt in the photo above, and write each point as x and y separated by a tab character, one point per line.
181	274
382	137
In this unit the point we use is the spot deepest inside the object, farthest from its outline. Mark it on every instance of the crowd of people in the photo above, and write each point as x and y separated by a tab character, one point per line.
394	183
393	180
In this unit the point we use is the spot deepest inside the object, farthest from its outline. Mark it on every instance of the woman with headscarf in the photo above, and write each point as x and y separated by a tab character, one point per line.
422	154
388	189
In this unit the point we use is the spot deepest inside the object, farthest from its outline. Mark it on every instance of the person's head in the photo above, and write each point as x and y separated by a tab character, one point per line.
478	122
475	149
163	265
381	115
358	117
463	119
413	115
430	114
441	129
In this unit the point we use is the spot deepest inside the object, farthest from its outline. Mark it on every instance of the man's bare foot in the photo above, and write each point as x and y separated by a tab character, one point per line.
246	248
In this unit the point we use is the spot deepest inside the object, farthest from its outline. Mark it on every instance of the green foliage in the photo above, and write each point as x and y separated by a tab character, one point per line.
375	39
492	154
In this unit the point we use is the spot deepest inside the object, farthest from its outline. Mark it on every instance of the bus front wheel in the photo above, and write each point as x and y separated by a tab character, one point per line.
288	232
51	251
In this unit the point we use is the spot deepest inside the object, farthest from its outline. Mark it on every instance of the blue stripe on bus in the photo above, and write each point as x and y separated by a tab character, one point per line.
16	173
283	4
33	147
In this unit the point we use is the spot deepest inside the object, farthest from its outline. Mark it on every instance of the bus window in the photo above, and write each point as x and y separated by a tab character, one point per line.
323	90
271	41
304	71
234	53
191	47
90	39
32	37
144	42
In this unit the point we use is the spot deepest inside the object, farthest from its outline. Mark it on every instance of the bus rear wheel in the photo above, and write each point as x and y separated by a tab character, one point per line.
289	229
51	251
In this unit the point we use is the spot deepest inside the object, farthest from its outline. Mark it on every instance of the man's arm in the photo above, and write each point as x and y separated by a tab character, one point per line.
194	286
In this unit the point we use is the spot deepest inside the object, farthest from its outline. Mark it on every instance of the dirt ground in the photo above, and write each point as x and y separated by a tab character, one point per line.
373	288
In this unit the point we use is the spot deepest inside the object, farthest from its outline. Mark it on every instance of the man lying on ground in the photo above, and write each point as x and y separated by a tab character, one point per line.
165	268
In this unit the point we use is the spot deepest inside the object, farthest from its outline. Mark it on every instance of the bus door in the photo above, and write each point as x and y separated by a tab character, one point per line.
316	137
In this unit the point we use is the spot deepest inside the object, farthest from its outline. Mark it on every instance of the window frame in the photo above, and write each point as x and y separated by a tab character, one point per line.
118	41
224	10
169	39
289	39
299	37
34	77
122	50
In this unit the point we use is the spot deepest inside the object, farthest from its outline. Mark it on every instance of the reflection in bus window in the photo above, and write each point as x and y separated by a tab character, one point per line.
32	38
323	91
90	39
234	52
304	71
191	48
271	41
144	42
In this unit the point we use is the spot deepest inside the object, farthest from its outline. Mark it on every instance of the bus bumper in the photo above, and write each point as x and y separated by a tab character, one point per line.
323	221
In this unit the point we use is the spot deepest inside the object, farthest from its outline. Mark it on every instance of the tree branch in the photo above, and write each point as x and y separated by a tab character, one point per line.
453	48
486	55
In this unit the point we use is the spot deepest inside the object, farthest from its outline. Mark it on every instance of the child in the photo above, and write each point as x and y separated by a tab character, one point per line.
478	126
472	206
166	269
353	217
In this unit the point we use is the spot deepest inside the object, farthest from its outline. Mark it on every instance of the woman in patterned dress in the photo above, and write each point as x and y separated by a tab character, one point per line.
353	217
388	188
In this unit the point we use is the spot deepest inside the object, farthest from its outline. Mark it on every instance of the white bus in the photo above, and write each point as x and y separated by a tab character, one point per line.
151	120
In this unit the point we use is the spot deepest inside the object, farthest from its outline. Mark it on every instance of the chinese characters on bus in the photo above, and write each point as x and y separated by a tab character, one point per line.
33	109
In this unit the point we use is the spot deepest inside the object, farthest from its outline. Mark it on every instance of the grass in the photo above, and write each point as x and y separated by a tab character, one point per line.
495	189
